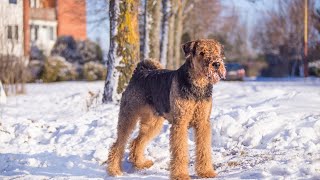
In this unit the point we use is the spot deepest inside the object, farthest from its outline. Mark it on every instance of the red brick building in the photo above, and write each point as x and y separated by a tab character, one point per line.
71	16
45	20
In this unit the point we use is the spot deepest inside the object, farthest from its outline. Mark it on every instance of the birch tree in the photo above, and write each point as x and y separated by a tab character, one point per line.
152	20
171	26
164	32
124	47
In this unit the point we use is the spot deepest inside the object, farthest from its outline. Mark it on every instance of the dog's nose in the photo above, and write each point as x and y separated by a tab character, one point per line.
216	65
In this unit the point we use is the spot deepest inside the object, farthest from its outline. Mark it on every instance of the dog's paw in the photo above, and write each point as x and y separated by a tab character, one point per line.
207	174
180	177
114	172
143	165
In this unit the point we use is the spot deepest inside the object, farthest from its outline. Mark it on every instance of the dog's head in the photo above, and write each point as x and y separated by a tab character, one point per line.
206	58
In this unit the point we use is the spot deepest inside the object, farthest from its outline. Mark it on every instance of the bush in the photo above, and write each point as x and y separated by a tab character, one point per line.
66	47
79	52
36	69
56	68
94	71
13	73
36	53
314	68
89	51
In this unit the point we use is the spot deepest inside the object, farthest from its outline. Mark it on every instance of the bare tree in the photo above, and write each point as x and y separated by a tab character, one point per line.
282	32
202	19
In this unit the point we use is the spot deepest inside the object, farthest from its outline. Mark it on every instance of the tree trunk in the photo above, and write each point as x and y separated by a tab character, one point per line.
154	8
152	29
124	47
178	33
146	41
171	35
164	32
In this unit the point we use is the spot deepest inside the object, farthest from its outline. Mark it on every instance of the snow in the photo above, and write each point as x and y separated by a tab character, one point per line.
261	129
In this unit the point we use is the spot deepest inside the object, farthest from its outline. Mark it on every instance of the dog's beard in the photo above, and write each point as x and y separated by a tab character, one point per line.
215	75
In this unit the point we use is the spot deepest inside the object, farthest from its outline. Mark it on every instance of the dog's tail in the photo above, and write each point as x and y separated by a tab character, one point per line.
148	64
144	67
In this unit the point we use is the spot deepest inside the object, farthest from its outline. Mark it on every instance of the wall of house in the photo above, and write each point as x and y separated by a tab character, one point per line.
72	18
43	34
42	25
11	28
26	29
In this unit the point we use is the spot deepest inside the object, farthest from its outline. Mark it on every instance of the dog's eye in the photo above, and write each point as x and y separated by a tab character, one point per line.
202	53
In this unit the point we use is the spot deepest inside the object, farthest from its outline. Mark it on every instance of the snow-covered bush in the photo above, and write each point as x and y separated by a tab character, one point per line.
66	47
314	68
94	71
56	68
36	53
89	51
36	69
79	52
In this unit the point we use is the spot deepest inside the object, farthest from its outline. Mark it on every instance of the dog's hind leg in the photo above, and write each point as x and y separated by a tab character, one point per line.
150	126
127	122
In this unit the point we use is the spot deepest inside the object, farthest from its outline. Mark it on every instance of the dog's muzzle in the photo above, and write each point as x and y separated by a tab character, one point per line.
216	65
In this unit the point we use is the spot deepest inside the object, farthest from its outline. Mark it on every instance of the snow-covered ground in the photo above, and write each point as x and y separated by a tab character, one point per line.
261	129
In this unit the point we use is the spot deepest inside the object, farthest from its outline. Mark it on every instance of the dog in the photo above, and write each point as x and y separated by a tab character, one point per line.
183	97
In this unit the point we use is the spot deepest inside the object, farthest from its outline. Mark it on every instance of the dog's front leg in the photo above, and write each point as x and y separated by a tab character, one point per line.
204	166
179	151
202	127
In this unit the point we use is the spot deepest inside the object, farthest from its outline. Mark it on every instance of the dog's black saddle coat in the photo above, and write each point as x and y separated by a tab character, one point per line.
155	84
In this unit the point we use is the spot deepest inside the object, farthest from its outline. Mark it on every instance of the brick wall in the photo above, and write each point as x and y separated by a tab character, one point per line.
71	15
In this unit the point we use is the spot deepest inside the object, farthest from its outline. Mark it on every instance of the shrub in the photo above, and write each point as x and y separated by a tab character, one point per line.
66	47
314	68
79	52
89	51
13	73
94	71
56	68
36	69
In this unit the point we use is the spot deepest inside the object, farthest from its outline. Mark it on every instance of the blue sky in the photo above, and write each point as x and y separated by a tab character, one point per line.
98	23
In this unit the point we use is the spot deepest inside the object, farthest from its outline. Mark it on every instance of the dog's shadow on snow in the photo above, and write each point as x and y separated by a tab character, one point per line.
49	164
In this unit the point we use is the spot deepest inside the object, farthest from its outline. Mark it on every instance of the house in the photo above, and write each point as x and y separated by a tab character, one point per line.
71	16
49	19
40	28
11	27
27	23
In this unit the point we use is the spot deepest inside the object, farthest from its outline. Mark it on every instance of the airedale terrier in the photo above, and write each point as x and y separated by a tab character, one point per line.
183	97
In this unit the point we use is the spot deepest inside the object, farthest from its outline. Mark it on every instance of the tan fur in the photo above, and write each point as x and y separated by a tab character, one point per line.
184	113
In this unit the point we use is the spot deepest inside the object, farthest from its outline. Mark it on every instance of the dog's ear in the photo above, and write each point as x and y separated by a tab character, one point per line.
189	47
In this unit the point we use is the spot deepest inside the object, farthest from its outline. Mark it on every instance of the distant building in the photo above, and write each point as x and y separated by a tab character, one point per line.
41	29
49	19
27	23
11	27
72	18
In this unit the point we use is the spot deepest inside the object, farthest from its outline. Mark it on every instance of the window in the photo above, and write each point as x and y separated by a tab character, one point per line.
36	31
9	35
34	3
51	35
12	1
16	34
